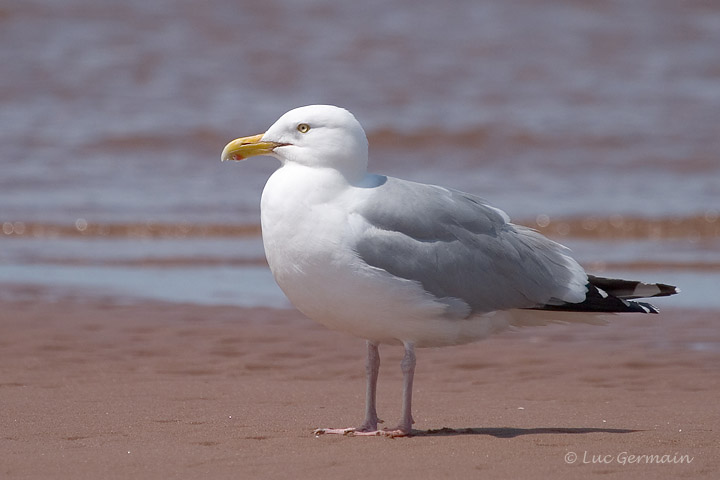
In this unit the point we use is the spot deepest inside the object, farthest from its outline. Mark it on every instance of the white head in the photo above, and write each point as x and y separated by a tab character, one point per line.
322	136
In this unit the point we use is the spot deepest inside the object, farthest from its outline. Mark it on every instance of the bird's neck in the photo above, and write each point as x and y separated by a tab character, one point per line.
312	184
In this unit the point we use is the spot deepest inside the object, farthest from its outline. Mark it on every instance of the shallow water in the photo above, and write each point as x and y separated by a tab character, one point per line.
231	270
571	116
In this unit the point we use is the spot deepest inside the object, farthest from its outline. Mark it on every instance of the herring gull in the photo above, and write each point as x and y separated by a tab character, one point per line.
399	262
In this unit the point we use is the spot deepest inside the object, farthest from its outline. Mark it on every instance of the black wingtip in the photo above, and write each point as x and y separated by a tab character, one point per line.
609	295
603	305
646	307
629	289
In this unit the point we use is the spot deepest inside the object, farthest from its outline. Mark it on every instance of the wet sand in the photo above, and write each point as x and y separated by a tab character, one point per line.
95	390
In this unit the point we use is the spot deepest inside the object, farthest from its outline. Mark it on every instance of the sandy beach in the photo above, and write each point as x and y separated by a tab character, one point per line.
97	390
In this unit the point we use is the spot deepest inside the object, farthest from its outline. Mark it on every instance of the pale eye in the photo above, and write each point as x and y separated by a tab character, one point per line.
303	128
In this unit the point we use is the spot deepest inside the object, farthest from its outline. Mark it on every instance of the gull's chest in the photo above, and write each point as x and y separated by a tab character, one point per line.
304	223
297	238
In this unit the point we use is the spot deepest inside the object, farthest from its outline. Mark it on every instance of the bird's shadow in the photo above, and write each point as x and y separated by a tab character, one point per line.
510	432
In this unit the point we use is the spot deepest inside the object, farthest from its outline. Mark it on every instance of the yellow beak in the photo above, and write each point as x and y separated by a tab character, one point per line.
242	148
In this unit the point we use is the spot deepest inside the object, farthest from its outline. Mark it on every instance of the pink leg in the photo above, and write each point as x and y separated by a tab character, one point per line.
408	369
369	426
372	368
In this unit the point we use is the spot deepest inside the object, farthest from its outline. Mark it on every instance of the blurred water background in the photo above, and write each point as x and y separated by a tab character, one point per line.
596	122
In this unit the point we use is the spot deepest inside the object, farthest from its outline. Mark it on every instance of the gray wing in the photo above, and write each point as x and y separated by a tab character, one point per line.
457	246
